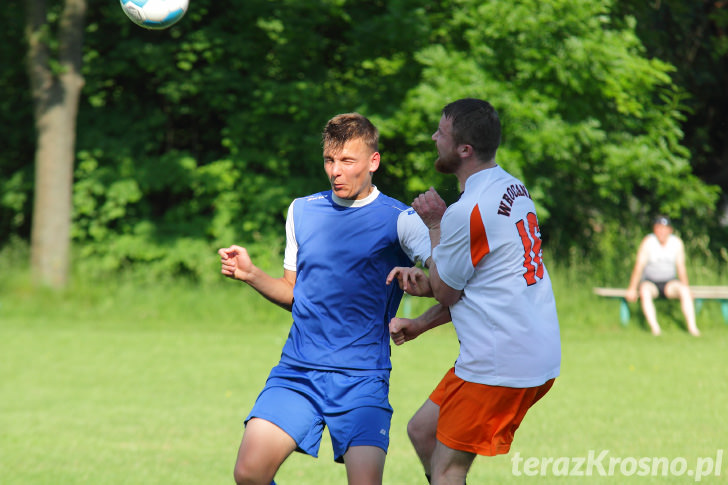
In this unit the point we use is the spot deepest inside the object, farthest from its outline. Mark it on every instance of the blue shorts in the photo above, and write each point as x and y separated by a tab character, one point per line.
302	402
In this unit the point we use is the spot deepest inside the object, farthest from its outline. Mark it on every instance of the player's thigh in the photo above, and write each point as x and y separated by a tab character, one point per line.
263	449
648	288
423	424
364	465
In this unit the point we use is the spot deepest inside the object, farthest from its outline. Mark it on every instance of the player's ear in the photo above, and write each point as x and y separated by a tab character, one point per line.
465	151
374	162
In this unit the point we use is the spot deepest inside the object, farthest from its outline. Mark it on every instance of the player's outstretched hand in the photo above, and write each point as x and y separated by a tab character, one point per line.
403	330
430	207
236	262
412	280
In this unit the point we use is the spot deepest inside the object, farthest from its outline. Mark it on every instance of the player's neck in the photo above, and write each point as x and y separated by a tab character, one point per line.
469	167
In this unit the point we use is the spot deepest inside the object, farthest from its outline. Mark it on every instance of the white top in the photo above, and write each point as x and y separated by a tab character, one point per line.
506	320
661	260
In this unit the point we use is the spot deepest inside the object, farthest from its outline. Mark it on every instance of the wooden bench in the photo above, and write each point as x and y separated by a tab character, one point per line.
700	294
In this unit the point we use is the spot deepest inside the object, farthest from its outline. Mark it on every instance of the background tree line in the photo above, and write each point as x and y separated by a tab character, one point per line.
200	135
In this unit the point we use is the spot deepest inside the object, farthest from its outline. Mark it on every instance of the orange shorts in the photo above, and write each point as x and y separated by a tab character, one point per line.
481	419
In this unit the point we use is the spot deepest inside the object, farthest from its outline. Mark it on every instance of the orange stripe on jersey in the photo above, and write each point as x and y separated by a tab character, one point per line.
478	239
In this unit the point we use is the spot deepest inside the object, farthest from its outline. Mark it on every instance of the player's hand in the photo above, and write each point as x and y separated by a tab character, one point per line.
412	280
430	207
631	295
403	330
236	262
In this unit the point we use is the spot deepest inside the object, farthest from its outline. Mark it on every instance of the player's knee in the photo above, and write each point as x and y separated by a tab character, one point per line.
241	476
247	475
416	432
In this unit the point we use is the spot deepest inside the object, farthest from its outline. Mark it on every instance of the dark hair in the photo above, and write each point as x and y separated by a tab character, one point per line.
475	122
349	126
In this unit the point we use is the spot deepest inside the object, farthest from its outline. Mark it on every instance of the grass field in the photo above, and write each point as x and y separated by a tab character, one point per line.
126	385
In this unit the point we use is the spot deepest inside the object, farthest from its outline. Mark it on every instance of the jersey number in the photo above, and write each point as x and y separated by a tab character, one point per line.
531	239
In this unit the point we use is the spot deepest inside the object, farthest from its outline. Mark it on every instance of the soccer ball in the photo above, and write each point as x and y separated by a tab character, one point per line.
154	14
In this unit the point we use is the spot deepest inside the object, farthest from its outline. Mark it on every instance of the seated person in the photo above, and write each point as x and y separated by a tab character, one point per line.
659	272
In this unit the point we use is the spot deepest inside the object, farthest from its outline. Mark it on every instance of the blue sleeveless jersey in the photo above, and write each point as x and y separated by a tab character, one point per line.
342	305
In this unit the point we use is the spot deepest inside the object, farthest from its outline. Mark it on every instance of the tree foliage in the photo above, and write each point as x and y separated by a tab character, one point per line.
16	116
201	135
591	126
693	36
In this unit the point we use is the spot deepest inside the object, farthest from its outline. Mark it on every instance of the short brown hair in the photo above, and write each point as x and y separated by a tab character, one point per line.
349	126
475	122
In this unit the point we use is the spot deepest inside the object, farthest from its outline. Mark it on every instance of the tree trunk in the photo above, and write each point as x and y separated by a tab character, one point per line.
56	86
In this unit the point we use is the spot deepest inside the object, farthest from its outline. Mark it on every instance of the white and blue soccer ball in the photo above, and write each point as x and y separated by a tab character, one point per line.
155	14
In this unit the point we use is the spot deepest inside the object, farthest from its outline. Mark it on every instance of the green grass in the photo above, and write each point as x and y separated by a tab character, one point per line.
116	384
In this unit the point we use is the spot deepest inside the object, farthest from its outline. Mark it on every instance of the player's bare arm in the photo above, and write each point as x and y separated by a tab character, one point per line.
431	207
405	329
443	293
236	264
412	280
